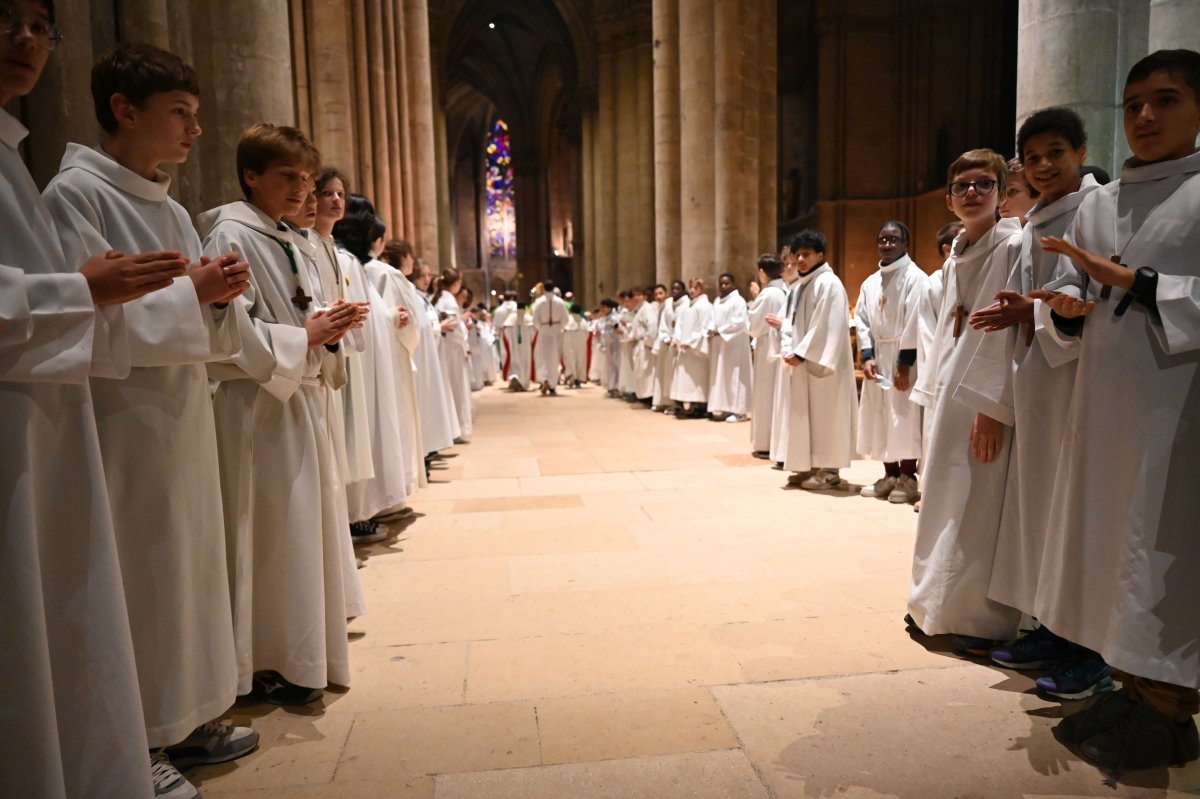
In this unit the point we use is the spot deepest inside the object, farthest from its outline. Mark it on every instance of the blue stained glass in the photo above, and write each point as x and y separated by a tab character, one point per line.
501	214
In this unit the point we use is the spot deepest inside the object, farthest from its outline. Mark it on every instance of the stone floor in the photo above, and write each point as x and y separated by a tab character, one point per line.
598	601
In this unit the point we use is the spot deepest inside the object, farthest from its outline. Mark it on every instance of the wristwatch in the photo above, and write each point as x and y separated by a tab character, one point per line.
1144	290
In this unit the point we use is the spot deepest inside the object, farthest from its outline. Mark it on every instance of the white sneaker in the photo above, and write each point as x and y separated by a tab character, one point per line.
905	490
168	782
822	479
733	417
881	489
214	742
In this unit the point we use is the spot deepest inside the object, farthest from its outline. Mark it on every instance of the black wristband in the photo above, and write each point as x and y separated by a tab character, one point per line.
908	357
333	347
1144	290
867	355
1068	327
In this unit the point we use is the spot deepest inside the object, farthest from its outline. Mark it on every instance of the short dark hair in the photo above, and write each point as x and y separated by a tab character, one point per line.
981	158
896	223
353	231
328	174
49	6
679	283
729	275
1098	173
396	251
609	302
808	239
656	287
548	286
771	265
1062	121
1184	64
948	232
137	71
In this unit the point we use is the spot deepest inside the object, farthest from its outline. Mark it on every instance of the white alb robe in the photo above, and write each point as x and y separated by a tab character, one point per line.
575	342
730	376
359	458
781	403
822	402
439	423
1119	575
771	300
518	347
690	381
69	690
159	446
1043	380
889	423
625	348
960	511
285	514
664	354
454	362
644	331
549	316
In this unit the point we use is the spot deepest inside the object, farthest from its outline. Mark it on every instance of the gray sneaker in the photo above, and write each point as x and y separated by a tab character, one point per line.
882	489
214	742
822	479
905	490
168	782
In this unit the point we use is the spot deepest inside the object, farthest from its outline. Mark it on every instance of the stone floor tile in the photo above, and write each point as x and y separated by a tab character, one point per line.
705	775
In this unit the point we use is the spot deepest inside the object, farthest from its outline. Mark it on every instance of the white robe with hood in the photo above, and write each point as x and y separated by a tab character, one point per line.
730	376
771	300
690	381
454	362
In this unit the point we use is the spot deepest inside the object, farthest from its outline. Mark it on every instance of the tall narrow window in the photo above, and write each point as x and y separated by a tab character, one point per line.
501	217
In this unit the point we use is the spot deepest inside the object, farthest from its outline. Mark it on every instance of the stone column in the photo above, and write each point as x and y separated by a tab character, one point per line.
393	50
604	185
645	261
330	87
585	249
751	83
667	240
418	76
628	208
728	119
1067	56
248	59
768	131
142	21
1174	25
445	227
696	96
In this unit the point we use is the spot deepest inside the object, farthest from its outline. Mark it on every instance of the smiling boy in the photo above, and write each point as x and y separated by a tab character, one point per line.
966	386
1119	576
285	529
162	467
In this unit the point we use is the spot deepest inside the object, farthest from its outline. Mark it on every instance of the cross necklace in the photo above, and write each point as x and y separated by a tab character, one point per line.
960	311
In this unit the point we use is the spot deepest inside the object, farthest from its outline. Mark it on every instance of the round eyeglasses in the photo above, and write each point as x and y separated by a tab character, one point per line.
983	188
45	35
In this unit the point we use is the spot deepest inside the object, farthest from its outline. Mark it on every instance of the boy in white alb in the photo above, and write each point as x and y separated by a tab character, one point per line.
771	301
163	477
1125	494
278	468
729	342
549	317
966	386
819	370
74	724
889	424
689	385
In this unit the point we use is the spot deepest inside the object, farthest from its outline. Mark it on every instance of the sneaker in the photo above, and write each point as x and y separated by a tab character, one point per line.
367	532
881	489
733	417
1037	649
798	478
911	623
761	454
1077	679
1144	739
822	479
168	782
973	645
270	686
905	490
214	742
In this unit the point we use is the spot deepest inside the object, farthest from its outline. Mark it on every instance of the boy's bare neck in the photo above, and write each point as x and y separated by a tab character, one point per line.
132	155
976	229
324	226
274	215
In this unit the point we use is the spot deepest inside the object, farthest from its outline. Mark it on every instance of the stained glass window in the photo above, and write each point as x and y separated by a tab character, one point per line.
501	217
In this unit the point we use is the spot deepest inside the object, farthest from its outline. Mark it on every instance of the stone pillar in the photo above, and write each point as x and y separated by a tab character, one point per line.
728	118
751	87
364	179
585	249
768	131
604	185
418	76
1067	55
394	82
667	240
142	21
248	60
330	86
628	209
445	227
645	255
1174	25
696	95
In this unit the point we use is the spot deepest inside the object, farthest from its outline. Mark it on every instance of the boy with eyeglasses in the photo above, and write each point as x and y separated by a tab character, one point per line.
73	715
1119	575
966	386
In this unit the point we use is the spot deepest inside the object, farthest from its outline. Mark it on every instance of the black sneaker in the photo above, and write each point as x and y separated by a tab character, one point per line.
367	532
1037	649
214	742
1143	739
270	686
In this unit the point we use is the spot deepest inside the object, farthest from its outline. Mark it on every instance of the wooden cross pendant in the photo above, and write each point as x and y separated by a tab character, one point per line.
301	300
959	314
1107	290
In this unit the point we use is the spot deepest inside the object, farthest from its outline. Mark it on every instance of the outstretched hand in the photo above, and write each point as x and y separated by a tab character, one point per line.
1098	268
1010	308
1068	307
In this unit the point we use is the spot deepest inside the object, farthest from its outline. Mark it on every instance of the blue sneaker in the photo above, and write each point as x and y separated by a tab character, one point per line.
1078	679
1038	649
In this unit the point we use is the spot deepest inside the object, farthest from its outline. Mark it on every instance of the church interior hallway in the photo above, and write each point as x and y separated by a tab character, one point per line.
596	600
